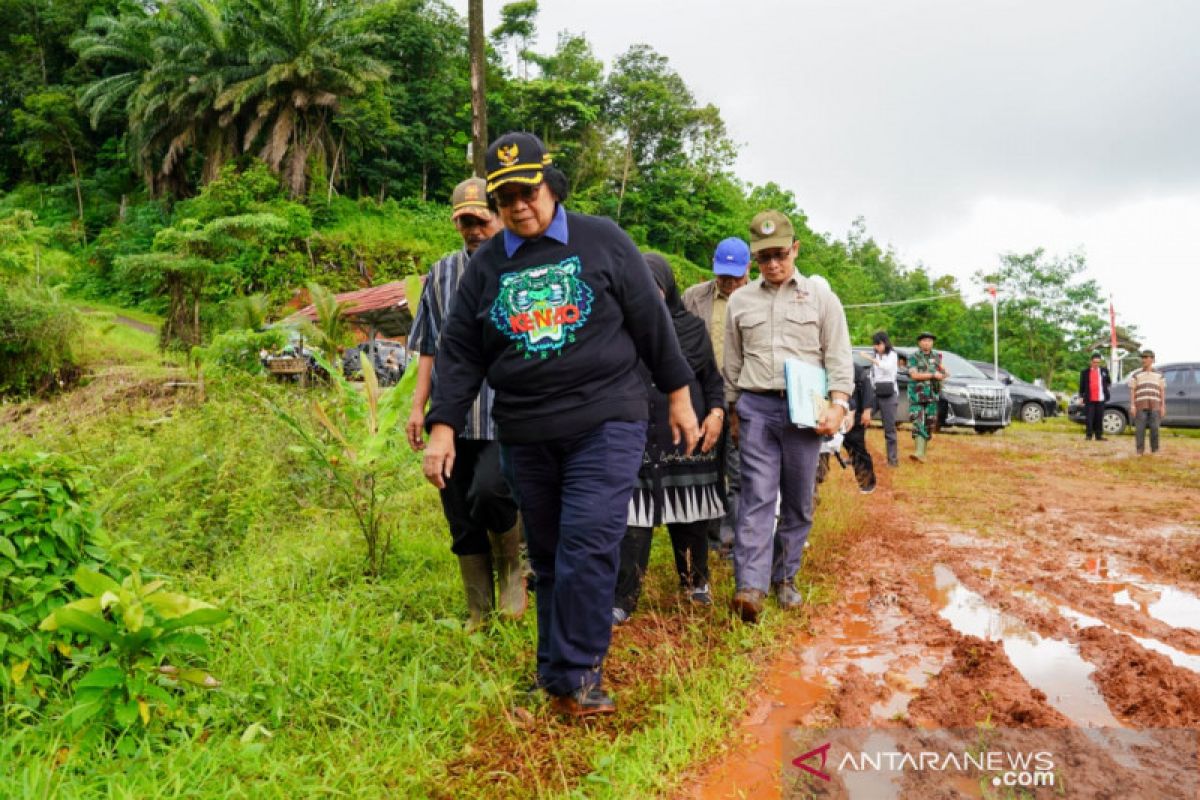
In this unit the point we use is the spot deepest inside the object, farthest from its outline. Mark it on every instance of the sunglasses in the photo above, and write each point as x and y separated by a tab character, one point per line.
525	194
767	256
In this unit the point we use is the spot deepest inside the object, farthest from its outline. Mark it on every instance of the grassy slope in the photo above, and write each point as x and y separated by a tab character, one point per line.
367	689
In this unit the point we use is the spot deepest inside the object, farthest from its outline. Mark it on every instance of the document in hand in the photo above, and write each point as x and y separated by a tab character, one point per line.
807	388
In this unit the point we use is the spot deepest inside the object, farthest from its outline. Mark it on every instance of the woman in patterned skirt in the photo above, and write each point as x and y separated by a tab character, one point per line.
682	492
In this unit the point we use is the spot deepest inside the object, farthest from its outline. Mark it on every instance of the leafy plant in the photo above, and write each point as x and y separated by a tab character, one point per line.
239	349
352	439
46	533
136	647
332	329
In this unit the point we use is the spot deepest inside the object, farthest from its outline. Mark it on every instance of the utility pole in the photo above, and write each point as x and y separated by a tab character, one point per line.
477	46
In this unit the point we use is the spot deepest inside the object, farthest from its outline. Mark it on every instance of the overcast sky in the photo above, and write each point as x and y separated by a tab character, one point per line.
959	130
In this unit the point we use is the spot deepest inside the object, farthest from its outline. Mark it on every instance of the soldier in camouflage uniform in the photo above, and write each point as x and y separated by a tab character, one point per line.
925	376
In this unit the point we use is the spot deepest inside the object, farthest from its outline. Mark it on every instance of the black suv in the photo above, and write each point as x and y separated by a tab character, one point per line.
1031	403
1183	400
969	398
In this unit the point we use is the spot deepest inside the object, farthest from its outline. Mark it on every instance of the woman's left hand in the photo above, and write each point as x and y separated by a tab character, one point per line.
710	431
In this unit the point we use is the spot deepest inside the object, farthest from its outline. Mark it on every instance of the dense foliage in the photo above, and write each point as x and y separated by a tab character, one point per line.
190	153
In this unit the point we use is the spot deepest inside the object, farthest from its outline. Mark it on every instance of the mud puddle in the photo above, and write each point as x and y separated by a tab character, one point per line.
1052	666
1135	587
860	660
1178	657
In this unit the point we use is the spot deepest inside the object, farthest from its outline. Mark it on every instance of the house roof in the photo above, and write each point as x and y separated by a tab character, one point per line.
383	307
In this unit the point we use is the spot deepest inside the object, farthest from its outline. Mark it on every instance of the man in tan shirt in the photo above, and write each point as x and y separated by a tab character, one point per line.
709	301
779	316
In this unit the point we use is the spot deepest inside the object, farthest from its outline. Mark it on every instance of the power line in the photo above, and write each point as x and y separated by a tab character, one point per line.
907	302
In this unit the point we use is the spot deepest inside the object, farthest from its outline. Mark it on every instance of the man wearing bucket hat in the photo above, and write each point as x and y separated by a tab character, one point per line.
476	500
925	375
557	313
779	316
709	302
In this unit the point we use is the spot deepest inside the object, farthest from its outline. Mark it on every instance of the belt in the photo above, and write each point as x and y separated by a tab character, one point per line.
782	393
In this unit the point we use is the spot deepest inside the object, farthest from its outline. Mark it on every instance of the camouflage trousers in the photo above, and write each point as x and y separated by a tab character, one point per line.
924	419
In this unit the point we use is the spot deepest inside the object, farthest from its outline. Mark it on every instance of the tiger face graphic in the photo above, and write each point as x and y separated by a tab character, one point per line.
540	308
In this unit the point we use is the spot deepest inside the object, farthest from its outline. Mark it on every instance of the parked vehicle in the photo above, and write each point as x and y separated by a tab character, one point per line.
969	398
390	360
1031	403
1183	400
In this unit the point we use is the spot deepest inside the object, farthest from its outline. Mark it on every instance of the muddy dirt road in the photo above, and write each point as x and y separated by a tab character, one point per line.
1030	581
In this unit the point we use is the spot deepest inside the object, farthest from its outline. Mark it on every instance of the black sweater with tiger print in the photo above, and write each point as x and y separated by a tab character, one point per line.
558	330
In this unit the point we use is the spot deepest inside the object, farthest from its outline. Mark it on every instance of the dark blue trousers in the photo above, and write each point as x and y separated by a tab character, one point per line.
574	497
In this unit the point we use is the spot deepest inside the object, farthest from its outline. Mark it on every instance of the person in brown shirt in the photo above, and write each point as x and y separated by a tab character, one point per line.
1147	402
779	316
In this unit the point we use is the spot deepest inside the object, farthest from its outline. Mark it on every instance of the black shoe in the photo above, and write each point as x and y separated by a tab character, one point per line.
587	701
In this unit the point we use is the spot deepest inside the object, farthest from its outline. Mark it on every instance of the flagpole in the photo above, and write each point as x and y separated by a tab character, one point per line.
1112	330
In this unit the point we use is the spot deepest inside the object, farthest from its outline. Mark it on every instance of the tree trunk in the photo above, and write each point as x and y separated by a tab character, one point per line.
625	172
333	170
78	192
476	44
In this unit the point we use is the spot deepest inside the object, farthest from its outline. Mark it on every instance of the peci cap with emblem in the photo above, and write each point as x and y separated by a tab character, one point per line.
515	157
732	258
470	199
1147	354
770	229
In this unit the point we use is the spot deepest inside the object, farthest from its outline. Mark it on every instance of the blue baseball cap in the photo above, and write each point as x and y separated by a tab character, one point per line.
732	258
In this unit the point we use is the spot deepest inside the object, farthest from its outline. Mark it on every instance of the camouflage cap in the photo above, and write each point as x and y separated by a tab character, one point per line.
470	198
770	229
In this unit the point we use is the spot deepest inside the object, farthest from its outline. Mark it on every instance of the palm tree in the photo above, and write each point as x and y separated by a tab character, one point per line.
302	58
166	72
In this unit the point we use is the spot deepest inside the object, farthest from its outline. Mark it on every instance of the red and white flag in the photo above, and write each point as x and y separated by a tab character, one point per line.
1112	322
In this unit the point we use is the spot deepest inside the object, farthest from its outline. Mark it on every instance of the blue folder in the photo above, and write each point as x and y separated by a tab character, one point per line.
807	390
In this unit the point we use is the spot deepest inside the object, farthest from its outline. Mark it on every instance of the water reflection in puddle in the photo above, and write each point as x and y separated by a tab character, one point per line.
1051	665
1178	657
1132	587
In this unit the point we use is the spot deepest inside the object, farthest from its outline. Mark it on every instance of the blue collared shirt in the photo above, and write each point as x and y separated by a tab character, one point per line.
556	231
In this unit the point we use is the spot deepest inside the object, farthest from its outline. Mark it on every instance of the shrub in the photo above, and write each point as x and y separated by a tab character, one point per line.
37	336
46	534
239	350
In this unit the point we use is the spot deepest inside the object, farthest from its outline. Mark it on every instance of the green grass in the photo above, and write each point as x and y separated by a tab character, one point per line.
338	686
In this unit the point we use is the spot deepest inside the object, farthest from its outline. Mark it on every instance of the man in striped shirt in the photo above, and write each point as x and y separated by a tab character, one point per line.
1147	402
477	502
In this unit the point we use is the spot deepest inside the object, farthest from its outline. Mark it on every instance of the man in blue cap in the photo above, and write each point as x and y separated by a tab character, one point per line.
731	268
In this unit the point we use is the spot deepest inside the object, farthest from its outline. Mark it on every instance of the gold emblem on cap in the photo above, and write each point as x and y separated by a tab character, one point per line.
471	192
767	227
507	154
